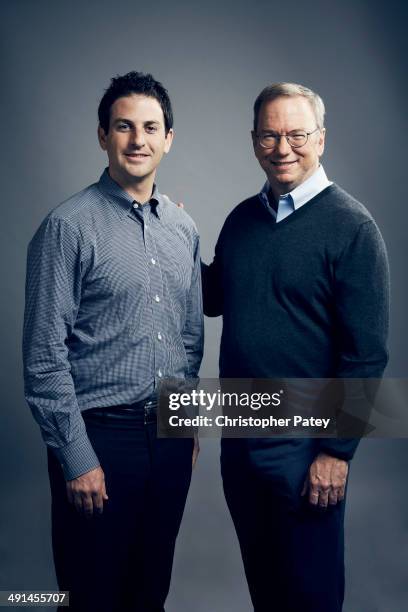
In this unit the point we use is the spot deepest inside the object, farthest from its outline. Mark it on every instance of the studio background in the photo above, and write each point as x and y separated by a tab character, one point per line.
214	58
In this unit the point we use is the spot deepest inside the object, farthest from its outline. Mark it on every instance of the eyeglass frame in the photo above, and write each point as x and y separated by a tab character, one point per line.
279	136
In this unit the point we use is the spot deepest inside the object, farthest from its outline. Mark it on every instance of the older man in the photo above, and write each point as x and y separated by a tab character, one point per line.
300	276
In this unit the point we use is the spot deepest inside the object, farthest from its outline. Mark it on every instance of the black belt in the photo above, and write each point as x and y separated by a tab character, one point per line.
145	411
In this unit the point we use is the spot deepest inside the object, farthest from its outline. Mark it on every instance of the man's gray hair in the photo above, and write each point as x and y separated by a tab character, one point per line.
279	90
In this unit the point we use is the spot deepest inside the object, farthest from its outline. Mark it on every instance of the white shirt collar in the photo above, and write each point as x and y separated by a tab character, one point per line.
306	190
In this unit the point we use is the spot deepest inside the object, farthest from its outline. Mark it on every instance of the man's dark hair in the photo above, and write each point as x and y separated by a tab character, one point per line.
134	83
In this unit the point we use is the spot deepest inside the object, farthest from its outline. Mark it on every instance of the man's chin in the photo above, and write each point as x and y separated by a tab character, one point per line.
284	182
138	174
285	177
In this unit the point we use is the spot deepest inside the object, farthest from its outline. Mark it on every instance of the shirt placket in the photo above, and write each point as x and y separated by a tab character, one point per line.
157	295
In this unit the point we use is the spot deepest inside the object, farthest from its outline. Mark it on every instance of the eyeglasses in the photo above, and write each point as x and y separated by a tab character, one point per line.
295	139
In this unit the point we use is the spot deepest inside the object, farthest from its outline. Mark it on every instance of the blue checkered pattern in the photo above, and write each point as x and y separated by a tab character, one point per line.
113	304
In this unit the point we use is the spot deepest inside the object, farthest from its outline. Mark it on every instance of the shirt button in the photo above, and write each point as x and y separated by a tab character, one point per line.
153	261
157	299
159	336
159	373
135	205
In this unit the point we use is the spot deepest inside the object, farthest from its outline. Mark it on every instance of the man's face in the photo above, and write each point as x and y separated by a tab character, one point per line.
136	140
288	167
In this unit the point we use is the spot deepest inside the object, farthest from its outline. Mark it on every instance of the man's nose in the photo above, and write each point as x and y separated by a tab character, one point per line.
282	146
137	138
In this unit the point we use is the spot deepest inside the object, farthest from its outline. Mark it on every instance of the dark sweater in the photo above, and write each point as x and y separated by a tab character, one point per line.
306	297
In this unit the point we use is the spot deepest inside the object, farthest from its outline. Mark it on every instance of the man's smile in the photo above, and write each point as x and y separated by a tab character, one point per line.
137	156
283	164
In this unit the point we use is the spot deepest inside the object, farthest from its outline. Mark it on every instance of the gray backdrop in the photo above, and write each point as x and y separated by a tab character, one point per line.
214	57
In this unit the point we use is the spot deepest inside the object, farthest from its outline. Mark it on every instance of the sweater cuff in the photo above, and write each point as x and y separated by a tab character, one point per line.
77	458
340	448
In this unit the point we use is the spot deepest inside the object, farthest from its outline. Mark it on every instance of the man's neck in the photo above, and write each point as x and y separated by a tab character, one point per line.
141	191
280	189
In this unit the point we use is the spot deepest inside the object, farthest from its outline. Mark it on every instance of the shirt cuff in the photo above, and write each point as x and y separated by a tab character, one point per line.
77	458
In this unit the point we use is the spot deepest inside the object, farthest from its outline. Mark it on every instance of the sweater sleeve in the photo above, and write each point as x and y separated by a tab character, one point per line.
212	292
212	284
361	289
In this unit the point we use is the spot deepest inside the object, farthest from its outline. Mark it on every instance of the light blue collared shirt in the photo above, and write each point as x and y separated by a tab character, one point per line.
289	202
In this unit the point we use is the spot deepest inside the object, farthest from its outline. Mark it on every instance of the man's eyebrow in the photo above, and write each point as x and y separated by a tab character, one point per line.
300	129
130	122
123	120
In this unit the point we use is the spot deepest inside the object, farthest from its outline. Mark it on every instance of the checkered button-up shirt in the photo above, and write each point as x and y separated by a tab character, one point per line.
113	304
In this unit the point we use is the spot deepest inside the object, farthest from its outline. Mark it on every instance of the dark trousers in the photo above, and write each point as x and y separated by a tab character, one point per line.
293	553
122	560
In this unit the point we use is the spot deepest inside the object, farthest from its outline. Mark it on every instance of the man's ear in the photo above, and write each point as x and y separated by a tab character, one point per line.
102	137
254	142
169	140
253	136
322	137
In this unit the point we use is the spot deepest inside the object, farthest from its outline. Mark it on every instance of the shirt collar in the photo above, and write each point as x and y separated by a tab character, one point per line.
122	199
303	192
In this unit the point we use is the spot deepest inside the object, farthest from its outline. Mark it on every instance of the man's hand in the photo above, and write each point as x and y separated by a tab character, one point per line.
196	449
88	492
326	481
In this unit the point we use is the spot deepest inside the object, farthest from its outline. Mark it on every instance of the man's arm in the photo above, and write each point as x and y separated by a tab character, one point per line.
193	331
361	280
211	285
212	288
53	290
362	316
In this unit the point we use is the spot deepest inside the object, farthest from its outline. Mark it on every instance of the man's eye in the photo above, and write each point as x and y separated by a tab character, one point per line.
151	129
123	127
297	135
269	137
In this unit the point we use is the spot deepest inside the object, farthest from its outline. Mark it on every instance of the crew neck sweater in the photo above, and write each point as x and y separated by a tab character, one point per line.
303	298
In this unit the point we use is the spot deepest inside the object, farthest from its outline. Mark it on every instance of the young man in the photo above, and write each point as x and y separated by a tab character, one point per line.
300	276
113	305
